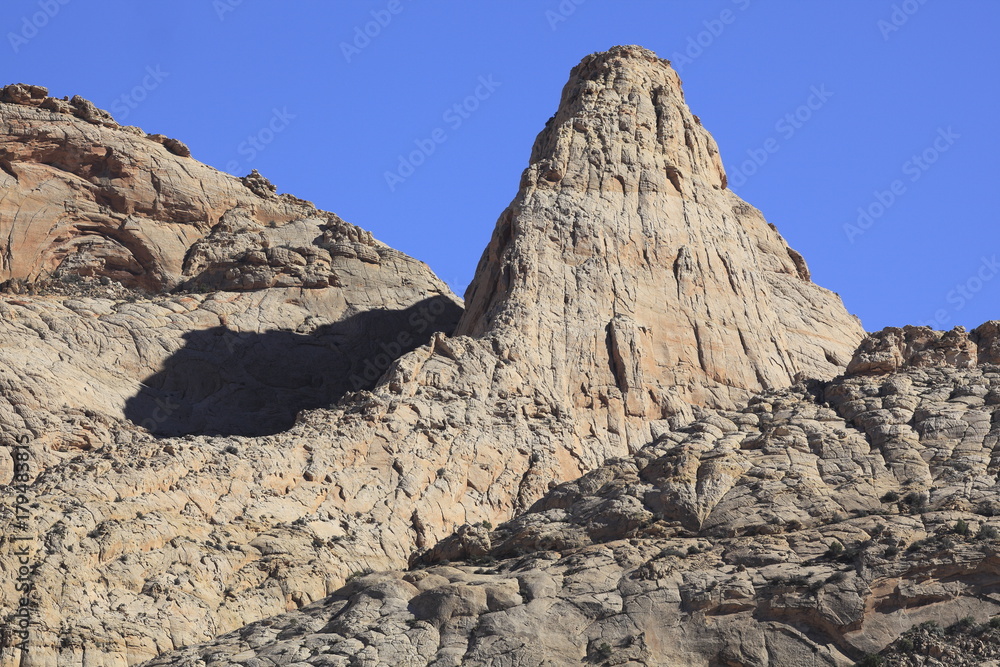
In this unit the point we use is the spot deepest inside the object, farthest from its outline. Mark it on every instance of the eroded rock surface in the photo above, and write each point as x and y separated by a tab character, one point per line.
913	347
84	197
813	526
625	291
638	284
148	295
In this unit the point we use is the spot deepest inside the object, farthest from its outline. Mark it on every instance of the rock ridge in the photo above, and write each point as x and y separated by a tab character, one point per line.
94	200
896	348
38	97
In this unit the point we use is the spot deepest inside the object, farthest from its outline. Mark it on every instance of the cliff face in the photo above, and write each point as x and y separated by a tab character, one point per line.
234	400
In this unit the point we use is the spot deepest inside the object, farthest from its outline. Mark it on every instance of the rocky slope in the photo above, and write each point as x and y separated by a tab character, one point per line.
140	238
811	527
148	295
181	350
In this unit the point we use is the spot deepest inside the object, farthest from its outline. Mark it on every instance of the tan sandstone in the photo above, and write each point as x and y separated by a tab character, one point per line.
624	292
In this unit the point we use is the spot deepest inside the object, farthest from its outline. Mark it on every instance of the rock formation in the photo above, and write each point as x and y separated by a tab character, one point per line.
811	527
140	239
235	402
149	295
635	280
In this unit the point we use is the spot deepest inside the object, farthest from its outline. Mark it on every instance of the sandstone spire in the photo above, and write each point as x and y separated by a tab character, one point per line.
625	264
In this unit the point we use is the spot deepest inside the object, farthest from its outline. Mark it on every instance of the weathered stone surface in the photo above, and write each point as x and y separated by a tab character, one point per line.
148	295
987	338
811	527
632	276
88	198
914	347
171	323
964	643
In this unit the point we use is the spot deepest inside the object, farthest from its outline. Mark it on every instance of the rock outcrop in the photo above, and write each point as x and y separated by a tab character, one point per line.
632	276
87	198
146	296
813	526
233	401
892	349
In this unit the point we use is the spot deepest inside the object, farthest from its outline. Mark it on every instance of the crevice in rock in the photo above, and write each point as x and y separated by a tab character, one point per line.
701	348
800	264
674	176
8	168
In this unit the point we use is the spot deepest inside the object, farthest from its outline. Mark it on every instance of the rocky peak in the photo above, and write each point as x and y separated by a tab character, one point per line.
632	271
626	93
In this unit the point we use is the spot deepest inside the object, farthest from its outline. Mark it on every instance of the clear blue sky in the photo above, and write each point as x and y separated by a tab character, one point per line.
899	78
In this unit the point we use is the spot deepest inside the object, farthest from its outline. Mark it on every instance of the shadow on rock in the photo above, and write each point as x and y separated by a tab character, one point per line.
224	382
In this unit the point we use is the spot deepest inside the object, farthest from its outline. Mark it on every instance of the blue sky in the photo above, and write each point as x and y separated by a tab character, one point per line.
865	130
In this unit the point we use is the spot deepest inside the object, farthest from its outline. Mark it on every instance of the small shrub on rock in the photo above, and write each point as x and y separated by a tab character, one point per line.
987	532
